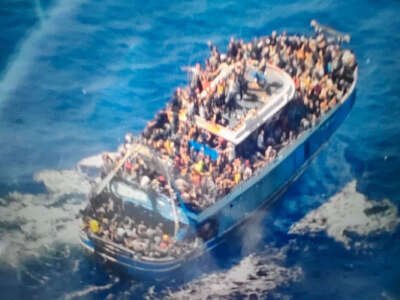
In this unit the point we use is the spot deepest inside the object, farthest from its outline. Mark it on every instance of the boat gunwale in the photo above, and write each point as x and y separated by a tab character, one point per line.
262	115
239	189
223	202
143	259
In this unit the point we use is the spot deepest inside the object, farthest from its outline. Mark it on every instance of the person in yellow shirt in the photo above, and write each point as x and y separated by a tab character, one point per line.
237	177
168	147
94	225
199	166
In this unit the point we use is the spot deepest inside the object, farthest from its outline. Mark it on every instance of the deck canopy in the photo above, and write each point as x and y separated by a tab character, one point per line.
257	107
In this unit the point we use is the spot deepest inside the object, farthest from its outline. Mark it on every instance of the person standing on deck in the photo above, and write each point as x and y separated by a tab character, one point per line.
260	141
195	81
231	152
233	92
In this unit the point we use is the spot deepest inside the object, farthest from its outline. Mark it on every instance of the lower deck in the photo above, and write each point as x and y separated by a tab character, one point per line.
262	190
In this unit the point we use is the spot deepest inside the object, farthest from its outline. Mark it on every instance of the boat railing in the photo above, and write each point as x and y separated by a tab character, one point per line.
166	169
260	172
146	152
115	249
252	121
282	146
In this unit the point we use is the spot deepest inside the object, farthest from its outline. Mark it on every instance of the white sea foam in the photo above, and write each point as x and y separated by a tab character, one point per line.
4	246
387	296
33	223
94	161
63	182
349	212
89	289
255	274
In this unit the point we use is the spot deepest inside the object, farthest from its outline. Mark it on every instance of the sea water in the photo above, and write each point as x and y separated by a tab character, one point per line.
76	75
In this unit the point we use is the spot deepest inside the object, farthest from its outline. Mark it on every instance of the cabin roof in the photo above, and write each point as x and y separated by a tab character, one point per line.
254	112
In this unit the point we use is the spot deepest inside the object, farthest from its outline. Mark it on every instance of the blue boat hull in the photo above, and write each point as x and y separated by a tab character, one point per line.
266	187
261	190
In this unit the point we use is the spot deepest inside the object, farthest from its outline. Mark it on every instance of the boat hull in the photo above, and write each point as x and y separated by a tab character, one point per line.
261	190
271	181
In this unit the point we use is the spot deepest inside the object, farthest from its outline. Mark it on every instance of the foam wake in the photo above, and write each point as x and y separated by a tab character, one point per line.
33	223
256	274
90	289
349	214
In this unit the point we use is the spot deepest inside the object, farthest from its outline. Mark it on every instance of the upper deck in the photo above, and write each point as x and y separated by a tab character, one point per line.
260	104
232	100
176	179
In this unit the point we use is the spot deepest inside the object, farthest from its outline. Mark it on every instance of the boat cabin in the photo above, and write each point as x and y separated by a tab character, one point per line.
267	93
222	148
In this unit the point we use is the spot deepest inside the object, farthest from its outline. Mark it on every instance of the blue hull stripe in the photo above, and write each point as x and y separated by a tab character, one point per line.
246	199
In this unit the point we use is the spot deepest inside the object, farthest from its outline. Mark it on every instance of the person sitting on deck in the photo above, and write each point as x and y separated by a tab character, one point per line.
270	154
260	141
261	80
322	73
247	170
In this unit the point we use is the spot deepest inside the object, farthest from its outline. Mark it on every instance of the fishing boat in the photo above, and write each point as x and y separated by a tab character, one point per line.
154	231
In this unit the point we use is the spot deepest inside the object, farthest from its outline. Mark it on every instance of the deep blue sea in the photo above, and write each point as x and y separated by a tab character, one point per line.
76	75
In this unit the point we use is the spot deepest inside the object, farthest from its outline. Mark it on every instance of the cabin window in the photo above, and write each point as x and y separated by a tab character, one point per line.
128	191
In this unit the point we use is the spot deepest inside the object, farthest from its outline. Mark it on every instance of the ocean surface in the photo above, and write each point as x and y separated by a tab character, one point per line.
76	75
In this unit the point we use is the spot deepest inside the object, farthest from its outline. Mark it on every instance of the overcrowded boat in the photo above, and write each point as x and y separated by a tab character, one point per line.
246	126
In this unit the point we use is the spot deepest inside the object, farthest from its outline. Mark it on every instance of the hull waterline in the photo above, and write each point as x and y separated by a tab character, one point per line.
261	191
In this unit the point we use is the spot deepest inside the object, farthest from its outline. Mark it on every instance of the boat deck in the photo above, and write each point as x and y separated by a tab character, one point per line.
259	104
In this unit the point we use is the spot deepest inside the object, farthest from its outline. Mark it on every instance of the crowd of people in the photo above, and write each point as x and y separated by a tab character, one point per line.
322	73
109	219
